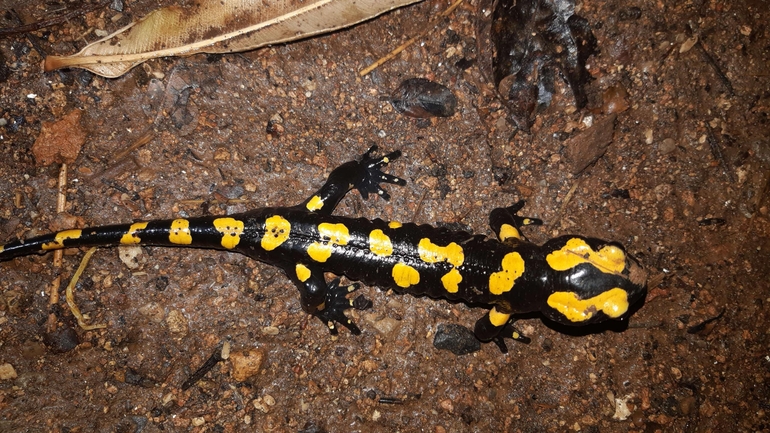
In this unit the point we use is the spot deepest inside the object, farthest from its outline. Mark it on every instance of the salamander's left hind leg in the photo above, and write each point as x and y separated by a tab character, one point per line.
365	175
507	224
496	327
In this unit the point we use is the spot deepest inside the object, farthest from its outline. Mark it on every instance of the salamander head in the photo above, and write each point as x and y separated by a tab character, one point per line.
592	280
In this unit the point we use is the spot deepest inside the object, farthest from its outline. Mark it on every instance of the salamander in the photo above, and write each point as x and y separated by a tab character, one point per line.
572	280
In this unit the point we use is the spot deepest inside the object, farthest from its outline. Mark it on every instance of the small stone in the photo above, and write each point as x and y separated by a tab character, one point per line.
585	148
60	141
129	255
221	154
667	146
687	405
62	340
7	372
246	364
615	100
177	323
422	98
456	339
446	405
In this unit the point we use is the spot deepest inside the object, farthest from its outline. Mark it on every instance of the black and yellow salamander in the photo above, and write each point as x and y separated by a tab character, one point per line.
571	280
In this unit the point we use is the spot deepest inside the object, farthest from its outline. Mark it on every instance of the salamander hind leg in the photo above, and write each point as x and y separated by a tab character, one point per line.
496	327
507	224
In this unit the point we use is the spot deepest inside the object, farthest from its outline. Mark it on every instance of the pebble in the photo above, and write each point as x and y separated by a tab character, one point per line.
177	323
7	372
456	339
60	141
423	98
246	364
667	146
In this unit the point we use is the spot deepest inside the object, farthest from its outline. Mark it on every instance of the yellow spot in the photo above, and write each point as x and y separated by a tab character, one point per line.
303	272
405	275
508	231
277	230
614	303
59	239
610	259
432	253
394	224
231	230
331	235
131	237
498	319
180	232
451	280
2	248
315	203
379	243
513	268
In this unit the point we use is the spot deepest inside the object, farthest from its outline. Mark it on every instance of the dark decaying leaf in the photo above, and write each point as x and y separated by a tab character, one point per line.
536	41
420	97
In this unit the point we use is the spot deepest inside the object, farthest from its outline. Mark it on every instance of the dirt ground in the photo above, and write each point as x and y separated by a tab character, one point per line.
684	185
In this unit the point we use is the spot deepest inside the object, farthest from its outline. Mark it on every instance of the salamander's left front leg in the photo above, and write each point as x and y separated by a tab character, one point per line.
365	175
336	304
496	327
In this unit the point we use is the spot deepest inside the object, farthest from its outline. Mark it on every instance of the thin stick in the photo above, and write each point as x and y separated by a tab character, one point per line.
717	152
391	55
61	204
567	199
143	139
71	294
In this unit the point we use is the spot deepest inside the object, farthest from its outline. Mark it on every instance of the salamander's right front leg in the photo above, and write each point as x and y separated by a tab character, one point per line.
329	301
507	224
365	175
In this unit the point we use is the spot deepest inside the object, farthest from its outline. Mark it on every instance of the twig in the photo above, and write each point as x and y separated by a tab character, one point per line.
567	199
406	44
143	139
119	162
61	205
221	353
717	152
418	209
70	294
9	31
721	75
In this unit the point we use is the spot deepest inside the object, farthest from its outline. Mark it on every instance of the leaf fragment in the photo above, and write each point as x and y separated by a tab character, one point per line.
218	26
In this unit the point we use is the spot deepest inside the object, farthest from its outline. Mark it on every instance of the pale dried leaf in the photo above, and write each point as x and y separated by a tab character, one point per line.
218	26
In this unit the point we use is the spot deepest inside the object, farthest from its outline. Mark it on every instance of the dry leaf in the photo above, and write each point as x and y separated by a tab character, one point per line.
218	26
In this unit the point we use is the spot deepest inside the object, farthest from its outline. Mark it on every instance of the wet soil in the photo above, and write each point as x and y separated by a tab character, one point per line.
683	184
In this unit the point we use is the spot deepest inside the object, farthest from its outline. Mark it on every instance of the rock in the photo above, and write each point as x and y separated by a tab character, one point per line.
588	146
60	141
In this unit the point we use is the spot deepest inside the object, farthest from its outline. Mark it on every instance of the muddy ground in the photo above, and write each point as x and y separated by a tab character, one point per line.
684	185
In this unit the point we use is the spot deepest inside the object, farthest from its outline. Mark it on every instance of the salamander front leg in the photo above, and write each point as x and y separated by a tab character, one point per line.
496	327
336	304
328	302
507	224
365	175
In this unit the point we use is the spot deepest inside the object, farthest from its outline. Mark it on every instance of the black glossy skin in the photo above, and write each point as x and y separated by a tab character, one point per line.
356	258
